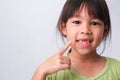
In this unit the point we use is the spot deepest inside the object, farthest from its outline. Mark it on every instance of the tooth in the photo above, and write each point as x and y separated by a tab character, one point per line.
80	41
88	41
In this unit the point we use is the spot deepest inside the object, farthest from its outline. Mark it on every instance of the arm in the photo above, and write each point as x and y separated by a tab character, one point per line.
39	74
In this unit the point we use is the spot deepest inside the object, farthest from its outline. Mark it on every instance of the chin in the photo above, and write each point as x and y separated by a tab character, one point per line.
85	51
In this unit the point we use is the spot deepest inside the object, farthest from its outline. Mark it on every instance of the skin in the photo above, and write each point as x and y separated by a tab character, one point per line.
56	63
83	57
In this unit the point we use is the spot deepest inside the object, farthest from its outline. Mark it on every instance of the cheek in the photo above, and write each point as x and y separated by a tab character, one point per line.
99	36
71	35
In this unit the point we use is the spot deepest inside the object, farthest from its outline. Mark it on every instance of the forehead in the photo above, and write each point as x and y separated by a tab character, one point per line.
85	10
81	12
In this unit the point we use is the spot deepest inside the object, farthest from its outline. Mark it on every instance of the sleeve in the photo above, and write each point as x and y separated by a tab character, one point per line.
51	77
48	78
56	76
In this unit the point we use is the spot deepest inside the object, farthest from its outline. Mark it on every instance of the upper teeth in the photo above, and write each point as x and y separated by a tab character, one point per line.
84	41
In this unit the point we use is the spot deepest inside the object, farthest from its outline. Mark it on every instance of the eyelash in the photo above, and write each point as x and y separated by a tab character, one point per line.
95	23
92	23
76	22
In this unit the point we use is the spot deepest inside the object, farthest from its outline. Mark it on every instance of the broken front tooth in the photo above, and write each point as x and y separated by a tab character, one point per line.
81	41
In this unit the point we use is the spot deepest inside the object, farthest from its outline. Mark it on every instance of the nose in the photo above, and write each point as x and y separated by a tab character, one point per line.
85	30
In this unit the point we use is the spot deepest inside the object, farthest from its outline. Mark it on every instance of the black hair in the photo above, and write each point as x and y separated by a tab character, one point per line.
96	8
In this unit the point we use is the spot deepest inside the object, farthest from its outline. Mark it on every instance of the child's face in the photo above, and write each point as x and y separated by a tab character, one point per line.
85	32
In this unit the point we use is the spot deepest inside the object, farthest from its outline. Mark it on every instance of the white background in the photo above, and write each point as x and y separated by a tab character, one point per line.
28	37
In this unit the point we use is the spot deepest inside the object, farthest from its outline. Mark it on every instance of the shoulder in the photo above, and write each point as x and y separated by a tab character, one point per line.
114	64
113	61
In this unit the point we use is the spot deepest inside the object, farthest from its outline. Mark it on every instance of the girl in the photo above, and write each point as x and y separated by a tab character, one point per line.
85	24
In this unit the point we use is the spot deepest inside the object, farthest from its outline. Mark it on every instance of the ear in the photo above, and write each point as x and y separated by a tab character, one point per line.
63	29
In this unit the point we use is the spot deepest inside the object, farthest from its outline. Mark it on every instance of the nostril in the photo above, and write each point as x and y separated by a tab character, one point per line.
81	32
87	33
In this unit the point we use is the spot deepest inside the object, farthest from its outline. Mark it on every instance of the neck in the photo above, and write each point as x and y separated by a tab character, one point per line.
87	64
81	58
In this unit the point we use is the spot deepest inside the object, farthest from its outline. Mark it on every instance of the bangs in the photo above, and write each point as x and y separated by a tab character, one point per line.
95	8
92	9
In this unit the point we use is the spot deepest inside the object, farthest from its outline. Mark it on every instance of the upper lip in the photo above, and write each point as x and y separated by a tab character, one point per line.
85	39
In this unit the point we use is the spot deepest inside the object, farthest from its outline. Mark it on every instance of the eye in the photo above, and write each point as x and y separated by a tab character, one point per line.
76	22
95	23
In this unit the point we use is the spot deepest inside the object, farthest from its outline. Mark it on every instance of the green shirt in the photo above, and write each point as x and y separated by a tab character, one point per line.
111	71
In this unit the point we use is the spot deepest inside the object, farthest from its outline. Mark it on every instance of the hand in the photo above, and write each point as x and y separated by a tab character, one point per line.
57	62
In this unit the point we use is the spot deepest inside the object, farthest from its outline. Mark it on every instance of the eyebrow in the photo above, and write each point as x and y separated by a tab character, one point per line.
78	16
75	16
92	18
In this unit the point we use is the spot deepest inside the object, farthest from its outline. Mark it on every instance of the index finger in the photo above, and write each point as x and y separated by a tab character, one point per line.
64	48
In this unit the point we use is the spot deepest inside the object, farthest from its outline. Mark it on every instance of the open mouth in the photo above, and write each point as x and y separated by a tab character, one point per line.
84	42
